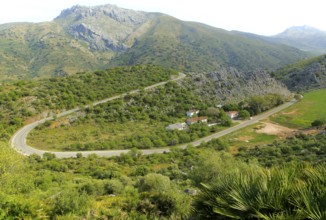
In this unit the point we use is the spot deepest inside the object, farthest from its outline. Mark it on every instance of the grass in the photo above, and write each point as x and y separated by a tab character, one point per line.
301	114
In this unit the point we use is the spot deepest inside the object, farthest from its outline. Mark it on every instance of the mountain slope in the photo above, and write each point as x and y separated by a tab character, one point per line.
304	75
89	38
44	49
193	46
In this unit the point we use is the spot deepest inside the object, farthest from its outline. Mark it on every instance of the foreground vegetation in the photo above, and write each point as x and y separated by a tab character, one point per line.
202	183
291	192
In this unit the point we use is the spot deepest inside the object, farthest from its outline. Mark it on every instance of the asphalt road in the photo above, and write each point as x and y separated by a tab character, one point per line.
18	141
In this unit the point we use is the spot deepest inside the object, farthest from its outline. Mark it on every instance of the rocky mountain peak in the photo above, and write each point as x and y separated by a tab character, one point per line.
104	28
300	32
121	15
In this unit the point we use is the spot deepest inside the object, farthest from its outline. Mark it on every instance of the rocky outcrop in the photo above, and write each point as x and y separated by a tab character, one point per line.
96	40
307	77
103	27
121	15
229	84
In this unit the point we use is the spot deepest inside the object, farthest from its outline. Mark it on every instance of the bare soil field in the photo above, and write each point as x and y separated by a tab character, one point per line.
274	129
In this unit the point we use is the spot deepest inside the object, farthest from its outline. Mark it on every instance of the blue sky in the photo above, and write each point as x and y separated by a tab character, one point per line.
265	17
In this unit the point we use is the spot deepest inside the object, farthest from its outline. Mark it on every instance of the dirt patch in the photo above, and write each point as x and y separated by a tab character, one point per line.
245	138
290	113
273	129
58	123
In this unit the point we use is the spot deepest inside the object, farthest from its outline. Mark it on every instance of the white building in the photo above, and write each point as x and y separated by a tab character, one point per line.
192	113
177	126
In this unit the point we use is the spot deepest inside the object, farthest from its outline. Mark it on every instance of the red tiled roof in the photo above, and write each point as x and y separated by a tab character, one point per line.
196	119
232	112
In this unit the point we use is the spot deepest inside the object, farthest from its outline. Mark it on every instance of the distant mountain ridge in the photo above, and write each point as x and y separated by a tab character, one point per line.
300	32
304	37
89	38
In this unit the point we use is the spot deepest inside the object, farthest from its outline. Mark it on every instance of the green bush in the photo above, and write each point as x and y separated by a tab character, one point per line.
70	201
318	122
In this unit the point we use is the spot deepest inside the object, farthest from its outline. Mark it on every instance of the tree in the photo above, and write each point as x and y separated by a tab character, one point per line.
225	120
244	114
213	113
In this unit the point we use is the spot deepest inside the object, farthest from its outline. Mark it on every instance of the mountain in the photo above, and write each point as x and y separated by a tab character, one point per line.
104	27
305	38
89	38
191	46
304	75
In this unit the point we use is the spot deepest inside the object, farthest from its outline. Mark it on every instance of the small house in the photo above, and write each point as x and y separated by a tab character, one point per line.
177	126
232	114
191	121
192	113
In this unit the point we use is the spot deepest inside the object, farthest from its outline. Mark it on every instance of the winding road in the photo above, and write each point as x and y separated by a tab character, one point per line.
18	141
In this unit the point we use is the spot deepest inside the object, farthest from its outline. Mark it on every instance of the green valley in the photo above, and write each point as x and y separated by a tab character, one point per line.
141	120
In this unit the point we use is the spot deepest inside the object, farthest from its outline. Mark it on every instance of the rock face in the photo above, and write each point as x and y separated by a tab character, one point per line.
303	76
123	16
103	27
227	84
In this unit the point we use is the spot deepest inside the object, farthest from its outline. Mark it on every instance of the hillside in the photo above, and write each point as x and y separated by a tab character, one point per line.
304	75
91	38
197	47
26	101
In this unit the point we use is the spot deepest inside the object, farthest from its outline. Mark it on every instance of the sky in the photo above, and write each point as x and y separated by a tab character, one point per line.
264	17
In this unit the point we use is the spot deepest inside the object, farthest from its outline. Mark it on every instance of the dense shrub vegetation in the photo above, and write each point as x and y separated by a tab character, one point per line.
140	120
24	99
298	148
